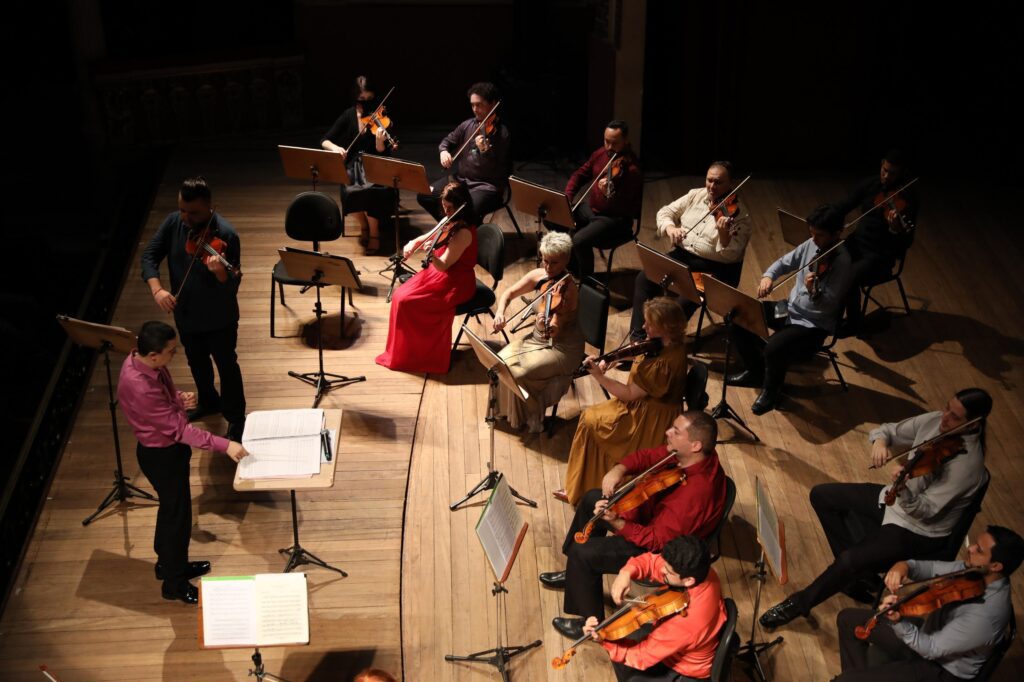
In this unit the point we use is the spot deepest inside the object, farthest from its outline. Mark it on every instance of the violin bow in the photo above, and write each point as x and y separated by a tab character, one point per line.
881	203
475	132
597	177
528	307
434	233
621	492
931	440
715	207
809	263
379	107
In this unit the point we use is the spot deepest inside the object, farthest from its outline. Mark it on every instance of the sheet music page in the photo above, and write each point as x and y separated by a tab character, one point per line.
282	458
282	609
498	528
229	611
281	424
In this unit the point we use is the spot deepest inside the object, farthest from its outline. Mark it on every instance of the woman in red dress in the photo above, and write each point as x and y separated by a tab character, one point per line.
422	310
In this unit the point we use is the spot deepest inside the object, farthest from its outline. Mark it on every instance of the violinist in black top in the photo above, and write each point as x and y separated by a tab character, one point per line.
485	161
369	203
203	297
883	235
604	219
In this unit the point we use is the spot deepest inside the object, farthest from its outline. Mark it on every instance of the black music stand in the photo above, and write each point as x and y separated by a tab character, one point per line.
794	228
105	338
322	269
316	165
543	202
735	307
671	275
497	371
397	174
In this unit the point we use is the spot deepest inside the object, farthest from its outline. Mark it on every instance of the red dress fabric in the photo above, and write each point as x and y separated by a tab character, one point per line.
422	311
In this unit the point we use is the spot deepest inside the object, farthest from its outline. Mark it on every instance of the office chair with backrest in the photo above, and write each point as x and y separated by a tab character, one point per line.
491	257
999	650
311	217
506	198
894	276
696	387
611	250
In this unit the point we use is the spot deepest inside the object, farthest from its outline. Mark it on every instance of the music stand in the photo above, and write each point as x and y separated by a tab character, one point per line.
397	174
500	530
104	339
771	536
794	228
543	202
497	371
322	269
735	307
301	163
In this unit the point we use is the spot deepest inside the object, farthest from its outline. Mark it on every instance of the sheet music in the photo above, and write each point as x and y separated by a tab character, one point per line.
283	609
229	611
769	533
281	424
282	444
499	527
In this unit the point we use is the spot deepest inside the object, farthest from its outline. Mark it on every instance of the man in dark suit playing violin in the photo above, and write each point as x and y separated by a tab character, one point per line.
486	159
691	509
703	241
683	643
605	218
953	641
203	298
865	535
883	236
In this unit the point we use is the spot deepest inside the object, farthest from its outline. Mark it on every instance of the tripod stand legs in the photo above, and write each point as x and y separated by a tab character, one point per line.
121	491
490	482
499	657
723	410
297	556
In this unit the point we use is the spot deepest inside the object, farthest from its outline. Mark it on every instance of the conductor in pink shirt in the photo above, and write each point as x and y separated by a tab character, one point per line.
156	410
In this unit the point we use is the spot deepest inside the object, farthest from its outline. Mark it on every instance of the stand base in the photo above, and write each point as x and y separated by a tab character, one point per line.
397	269
750	652
122	491
297	556
324	382
258	672
723	410
490	482
498	657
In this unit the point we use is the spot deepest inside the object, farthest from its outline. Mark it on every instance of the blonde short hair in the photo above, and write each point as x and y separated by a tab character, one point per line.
666	313
556	244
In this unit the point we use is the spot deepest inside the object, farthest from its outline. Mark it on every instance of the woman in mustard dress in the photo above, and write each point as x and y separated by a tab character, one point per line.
640	410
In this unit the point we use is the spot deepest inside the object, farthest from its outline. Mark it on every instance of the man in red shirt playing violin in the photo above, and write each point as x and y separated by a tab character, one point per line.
954	640
681	646
692	507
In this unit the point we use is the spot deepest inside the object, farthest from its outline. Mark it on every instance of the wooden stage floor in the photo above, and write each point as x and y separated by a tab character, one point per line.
85	602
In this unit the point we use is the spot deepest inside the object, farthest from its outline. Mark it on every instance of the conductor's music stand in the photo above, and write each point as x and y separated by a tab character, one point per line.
497	371
543	202
735	307
322	269
671	275
771	535
316	165
500	530
397	174
105	338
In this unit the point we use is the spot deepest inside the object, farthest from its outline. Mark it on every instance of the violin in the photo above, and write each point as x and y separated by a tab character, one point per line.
212	247
439	236
607	169
818	272
376	121
528	309
926	459
490	128
612	171
637	492
649	347
894	207
728	208
552	293
922	597
634	614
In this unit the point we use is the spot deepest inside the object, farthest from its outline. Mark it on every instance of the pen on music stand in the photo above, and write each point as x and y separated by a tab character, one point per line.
325	443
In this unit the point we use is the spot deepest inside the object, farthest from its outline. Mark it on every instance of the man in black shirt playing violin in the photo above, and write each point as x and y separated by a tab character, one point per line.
882	236
203	297
486	159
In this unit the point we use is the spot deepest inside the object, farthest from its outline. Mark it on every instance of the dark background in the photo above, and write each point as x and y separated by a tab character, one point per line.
779	88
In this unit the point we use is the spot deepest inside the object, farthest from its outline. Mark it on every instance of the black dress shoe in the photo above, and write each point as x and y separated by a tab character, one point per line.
745	378
569	627
235	431
189	594
194	570
766	402
780	614
553	579
201	411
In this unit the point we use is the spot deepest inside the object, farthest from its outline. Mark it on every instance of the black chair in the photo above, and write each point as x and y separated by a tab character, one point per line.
311	217
696	387
592	317
491	257
713	537
628	240
999	650
728	643
833	357
894	276
508	209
